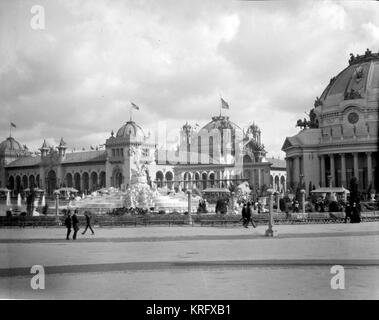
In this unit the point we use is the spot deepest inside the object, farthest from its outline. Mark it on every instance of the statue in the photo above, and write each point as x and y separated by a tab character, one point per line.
352	94
302	124
136	154
352	58
318	102
313	123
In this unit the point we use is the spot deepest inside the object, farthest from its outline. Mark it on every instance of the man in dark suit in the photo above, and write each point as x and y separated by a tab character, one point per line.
68	224
245	222
88	222
75	224
249	215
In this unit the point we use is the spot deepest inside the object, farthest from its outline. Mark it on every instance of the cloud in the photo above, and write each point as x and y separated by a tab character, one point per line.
76	78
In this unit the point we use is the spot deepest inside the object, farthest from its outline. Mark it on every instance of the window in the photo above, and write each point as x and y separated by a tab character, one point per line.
145	152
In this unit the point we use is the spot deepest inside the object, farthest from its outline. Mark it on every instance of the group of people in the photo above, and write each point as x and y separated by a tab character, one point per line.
202	208
247	215
352	212
72	221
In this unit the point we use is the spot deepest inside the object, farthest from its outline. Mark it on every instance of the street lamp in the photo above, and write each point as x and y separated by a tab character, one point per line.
189	192
270	232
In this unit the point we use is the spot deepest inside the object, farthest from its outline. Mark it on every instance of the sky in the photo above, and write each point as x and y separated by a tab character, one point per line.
76	77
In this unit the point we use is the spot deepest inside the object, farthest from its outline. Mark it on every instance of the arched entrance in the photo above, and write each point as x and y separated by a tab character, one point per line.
204	178
51	182
169	178
283	183
85	178
11	183
248	172
102	179
277	184
159	179
69	180
117	178
32	182
212	179
197	178
77	181
24	182
18	184
94	181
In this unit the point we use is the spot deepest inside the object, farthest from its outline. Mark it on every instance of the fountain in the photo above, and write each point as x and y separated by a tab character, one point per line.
138	195
19	200
8	202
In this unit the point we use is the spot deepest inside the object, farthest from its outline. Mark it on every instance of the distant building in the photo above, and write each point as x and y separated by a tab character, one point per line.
131	152
340	141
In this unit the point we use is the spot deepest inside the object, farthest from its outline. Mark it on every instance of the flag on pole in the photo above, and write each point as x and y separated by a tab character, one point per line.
224	104
13	125
135	106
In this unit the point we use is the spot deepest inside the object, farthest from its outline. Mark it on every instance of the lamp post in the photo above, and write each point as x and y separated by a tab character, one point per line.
302	191
270	232
189	207
56	193
277	194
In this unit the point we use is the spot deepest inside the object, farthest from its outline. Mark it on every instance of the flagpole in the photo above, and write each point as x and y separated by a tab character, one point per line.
220	105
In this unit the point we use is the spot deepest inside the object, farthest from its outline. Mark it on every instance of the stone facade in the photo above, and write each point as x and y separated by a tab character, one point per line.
207	158
341	139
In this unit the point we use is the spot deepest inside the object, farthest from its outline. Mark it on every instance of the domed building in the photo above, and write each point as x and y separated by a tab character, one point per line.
340	140
10	150
221	153
214	156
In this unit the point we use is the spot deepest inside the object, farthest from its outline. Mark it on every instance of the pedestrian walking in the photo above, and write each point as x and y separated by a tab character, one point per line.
355	214
88	222
75	224
249	210
244	216
68	224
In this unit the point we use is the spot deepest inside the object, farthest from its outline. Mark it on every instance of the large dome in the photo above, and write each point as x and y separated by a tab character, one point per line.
9	145
220	123
131	130
360	80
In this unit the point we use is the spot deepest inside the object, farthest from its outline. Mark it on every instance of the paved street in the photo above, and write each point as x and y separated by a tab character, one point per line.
193	262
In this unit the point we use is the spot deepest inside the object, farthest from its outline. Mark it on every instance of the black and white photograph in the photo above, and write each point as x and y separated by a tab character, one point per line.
189	150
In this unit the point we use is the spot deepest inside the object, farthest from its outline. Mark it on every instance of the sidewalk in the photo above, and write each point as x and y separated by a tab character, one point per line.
189	231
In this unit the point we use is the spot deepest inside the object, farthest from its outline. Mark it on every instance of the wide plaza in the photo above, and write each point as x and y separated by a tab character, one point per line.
192	262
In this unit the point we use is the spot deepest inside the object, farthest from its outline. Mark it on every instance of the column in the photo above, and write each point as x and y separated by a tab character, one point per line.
322	158
332	170
90	182
356	171
288	167
296	170
343	170
259	178
369	169
270	232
